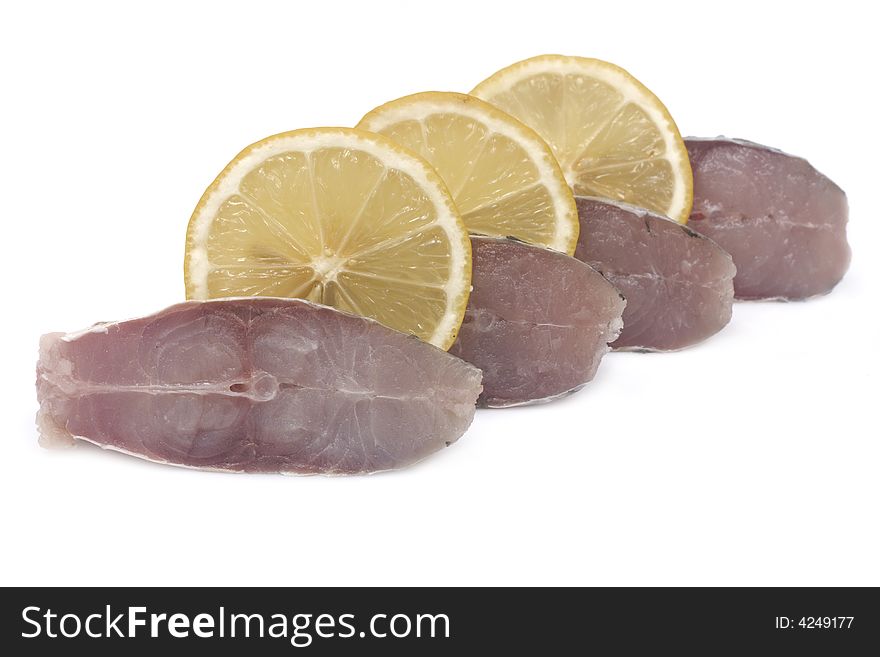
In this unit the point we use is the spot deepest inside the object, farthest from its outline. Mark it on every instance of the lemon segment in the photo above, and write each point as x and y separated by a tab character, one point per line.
338	216
503	177
611	135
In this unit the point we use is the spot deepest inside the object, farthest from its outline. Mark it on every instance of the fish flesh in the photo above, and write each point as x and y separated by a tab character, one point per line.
783	222
254	385
678	284
537	323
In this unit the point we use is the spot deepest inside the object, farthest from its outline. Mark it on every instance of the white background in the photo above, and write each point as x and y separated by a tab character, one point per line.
751	459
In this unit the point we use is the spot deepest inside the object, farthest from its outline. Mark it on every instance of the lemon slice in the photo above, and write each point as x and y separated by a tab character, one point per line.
503	176
611	135
338	216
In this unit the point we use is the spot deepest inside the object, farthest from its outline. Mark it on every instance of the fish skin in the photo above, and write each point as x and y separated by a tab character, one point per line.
783	222
537	323
678	284
255	385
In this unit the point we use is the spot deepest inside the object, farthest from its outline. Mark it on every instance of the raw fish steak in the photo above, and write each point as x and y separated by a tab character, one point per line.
254	385
678	284
783	222
537	323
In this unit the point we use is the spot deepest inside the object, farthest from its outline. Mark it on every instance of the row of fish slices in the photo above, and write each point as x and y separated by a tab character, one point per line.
774	228
531	345
537	324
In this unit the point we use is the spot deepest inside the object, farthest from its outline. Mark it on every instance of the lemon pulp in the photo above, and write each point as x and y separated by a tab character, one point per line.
340	217
611	135
503	177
